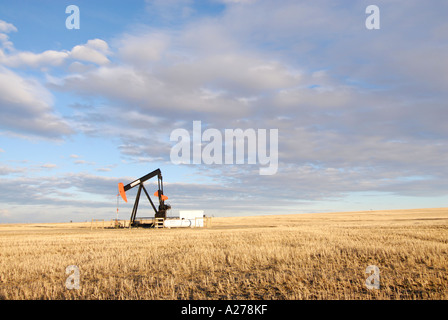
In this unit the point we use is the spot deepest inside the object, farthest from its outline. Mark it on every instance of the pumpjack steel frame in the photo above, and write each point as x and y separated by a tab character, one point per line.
163	207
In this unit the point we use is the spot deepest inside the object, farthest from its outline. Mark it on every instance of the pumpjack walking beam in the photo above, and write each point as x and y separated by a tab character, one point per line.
161	212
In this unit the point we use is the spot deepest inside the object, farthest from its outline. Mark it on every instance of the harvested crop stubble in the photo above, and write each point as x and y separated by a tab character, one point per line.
306	256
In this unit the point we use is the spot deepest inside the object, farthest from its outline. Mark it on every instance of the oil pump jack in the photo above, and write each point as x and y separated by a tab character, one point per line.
163	207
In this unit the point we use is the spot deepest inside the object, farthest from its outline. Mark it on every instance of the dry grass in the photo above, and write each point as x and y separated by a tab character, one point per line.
307	256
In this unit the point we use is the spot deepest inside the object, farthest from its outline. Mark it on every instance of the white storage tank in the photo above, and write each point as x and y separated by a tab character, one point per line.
177	223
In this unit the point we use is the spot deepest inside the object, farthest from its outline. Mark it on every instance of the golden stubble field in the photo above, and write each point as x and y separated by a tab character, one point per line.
304	256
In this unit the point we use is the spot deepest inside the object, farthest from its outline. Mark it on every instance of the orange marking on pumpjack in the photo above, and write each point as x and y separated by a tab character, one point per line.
164	197
122	192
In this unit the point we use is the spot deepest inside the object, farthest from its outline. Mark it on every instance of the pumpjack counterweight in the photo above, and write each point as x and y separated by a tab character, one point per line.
160	212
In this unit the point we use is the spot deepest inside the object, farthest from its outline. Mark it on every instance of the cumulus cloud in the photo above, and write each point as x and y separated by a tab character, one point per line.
10	57
7	170
49	166
34	60
6	27
95	51
26	107
66	190
26	104
141	50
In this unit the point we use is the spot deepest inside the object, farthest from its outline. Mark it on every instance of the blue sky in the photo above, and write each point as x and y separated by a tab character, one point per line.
361	114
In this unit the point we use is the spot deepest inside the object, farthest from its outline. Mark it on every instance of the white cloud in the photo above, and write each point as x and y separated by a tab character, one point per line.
14	58
6	170
26	107
49	166
84	162
34	60
6	27
142	50
95	51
